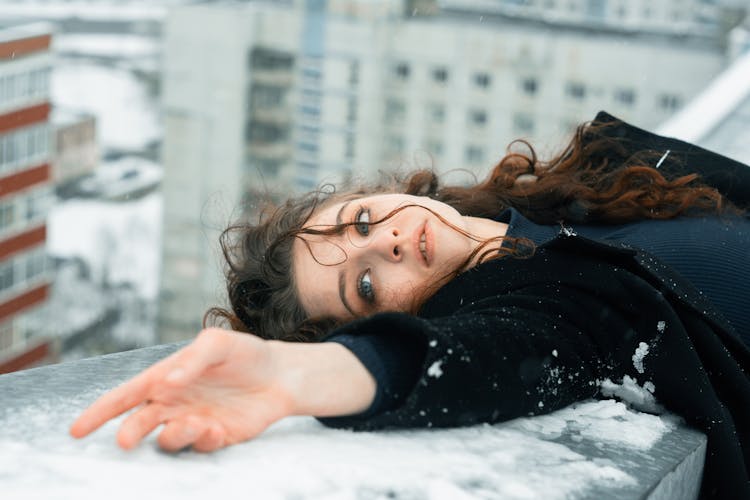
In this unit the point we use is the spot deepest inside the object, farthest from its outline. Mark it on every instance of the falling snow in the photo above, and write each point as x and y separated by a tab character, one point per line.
434	370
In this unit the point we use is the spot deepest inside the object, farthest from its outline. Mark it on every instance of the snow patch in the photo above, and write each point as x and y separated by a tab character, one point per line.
640	352
606	421
127	117
119	241
434	370
640	398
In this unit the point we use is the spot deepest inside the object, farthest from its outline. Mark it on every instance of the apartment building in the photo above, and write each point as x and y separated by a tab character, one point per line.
24	190
267	97
702	17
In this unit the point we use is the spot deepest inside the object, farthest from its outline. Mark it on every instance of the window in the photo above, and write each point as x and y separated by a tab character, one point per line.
351	111
42	140
349	146
6	275
9	154
523	123
311	74
436	112
307	168
440	74
625	96
395	144
6	335
575	90
268	168
434	147
37	203
353	73
35	264
23	85
310	111
482	80
402	71
20	142
270	59
308	147
474	154
10	87
7	214
266	132
395	110
266	96
529	86
669	102
478	117
31	148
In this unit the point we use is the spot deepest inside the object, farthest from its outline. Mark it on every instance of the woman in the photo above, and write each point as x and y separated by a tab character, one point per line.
454	306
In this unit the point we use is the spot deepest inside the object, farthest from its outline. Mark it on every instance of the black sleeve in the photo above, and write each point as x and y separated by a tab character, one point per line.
497	361
730	177
394	363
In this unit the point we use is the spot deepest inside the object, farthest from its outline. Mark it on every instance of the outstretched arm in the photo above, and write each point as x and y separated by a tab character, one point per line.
228	387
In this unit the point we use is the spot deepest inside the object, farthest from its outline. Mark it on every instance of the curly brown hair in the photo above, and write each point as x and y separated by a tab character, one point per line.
594	180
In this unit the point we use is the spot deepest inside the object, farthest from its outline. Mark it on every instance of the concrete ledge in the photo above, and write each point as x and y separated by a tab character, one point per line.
590	450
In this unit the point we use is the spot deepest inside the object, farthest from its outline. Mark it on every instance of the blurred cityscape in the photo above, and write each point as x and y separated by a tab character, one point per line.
132	132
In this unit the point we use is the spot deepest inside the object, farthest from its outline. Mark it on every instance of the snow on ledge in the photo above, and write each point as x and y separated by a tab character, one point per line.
592	449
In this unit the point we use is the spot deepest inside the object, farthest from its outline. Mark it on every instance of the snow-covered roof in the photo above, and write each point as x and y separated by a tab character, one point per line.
65	116
591	450
719	117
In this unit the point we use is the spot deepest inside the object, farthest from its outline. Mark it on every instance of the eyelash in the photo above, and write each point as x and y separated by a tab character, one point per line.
364	282
362	228
364	287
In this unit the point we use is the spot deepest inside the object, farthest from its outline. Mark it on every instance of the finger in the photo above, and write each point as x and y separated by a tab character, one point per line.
212	439
178	434
210	348
139	424
121	399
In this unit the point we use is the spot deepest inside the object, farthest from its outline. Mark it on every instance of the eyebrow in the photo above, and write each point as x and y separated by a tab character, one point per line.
342	275
342	293
341	211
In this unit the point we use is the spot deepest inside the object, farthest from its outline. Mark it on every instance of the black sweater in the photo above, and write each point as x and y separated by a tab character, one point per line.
496	340
712	253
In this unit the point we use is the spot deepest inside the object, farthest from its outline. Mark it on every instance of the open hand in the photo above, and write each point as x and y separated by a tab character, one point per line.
228	387
219	390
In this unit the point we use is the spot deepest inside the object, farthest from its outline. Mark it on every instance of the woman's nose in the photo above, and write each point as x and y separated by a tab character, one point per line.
389	244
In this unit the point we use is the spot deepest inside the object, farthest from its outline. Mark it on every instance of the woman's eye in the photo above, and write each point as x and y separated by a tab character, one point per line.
364	287
362	221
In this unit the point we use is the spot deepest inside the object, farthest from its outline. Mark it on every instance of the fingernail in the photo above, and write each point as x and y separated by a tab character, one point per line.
176	375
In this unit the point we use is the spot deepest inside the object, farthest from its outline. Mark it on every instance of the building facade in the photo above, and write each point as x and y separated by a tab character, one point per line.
266	98
25	174
76	151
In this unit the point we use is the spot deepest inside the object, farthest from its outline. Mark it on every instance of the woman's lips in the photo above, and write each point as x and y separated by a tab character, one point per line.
420	244
427	244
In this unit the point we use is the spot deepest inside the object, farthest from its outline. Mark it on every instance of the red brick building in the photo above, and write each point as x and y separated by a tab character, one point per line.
25	177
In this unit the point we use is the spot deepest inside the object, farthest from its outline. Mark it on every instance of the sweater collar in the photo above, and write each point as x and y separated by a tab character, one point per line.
521	227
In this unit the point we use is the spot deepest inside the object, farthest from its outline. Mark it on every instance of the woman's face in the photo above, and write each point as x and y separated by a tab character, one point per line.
378	267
